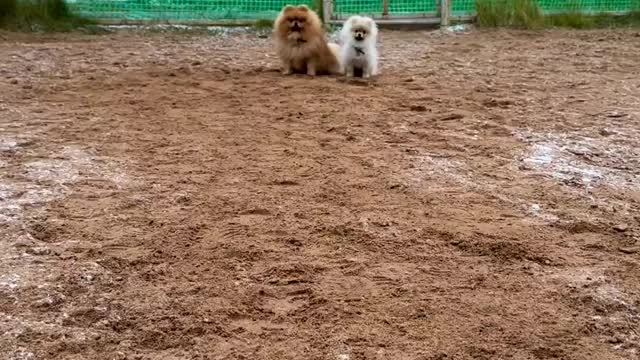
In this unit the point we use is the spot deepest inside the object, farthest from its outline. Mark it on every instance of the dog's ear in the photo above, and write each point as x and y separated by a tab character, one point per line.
350	21
303	7
288	8
372	24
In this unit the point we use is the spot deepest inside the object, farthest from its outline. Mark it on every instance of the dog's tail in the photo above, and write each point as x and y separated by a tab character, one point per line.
335	50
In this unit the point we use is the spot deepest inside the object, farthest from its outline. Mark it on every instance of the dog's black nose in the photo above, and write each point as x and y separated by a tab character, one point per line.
359	37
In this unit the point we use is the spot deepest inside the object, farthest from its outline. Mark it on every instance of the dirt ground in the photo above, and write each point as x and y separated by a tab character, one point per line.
175	197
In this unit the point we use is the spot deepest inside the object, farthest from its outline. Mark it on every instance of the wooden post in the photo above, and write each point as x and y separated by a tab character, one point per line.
385	9
327	10
445	11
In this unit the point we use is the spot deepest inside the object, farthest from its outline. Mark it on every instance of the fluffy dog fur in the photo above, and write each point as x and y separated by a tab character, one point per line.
301	44
359	38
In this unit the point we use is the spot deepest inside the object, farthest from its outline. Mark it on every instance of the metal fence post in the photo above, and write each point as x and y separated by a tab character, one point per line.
445	11
327	10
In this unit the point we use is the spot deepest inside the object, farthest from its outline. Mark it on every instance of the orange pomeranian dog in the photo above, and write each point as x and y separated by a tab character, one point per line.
301	43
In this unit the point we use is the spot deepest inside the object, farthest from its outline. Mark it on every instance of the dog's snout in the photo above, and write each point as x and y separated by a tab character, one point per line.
296	25
359	35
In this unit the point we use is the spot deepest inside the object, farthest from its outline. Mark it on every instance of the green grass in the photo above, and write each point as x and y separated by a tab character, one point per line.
316	6
8	9
526	14
509	13
579	20
263	24
571	17
631	19
40	15
571	20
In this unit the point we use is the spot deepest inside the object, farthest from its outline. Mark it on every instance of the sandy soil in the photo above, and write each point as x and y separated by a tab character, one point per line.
175	197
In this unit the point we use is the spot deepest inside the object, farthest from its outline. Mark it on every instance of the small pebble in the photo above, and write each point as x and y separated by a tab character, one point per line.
606	132
614	340
418	108
621	227
38	251
616	114
629	250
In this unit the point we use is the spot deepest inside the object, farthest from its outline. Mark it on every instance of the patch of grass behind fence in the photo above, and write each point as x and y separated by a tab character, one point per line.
632	19
509	13
39	15
572	16
526	14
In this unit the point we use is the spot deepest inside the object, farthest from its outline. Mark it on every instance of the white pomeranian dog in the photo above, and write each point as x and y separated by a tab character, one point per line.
359	38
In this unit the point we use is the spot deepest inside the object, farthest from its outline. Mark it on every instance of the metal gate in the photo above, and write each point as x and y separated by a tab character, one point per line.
389	11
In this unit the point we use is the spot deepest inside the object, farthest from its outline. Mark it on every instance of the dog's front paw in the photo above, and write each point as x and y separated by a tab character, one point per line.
348	72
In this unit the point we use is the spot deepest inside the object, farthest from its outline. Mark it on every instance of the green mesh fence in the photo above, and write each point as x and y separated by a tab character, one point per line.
344	8
181	10
468	7
375	8
463	7
208	10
